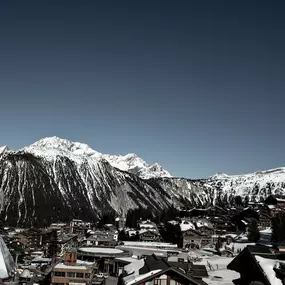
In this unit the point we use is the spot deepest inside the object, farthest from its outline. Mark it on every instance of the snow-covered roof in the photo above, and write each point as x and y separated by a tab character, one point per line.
267	266
266	231
129	280
65	266
150	244
153	230
186	225
134	267
101	250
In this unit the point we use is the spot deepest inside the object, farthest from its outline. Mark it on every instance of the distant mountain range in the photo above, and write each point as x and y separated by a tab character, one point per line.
56	180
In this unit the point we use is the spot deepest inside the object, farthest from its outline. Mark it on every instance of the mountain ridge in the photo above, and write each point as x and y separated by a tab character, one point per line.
56	180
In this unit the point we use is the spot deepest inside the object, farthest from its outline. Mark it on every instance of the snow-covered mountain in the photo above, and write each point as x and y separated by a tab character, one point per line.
77	151
3	149
56	180
134	164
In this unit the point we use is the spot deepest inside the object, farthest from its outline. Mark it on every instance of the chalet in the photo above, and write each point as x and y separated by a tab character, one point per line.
158	271
146	225
195	239
102	238
257	263
206	230
276	205
79	226
101	241
35	238
148	235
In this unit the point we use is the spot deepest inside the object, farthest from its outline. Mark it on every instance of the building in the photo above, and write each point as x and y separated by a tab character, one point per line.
79	226
195	239
258	264
147	225
158	271
102	238
276	205
35	238
103	257
72	272
66	242
149	235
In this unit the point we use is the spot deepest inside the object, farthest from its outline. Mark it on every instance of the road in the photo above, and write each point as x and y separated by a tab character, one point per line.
111	280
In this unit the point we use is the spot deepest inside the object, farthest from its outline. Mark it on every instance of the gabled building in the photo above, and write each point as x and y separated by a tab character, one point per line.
258	264
157	271
35	238
148	235
195	239
276	205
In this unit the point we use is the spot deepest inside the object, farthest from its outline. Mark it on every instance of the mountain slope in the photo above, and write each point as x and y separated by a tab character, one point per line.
47	182
57	180
130	162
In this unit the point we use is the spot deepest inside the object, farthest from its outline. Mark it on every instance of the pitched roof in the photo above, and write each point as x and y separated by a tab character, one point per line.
159	266
158	272
194	270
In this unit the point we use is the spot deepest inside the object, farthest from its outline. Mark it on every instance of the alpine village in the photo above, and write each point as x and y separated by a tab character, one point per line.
240	245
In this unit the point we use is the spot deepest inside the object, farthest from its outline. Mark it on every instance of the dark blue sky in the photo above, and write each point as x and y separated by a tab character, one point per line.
197	86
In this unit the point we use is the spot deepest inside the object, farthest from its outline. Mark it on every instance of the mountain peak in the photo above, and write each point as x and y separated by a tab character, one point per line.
62	145
50	147
3	149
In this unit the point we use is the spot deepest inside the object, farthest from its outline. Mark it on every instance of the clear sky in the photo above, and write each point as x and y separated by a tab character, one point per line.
197	86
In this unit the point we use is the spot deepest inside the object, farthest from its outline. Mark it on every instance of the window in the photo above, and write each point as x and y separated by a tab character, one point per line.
87	275
160	282
79	275
70	274
59	274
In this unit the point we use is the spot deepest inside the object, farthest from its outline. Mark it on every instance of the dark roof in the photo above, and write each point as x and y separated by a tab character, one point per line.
190	270
197	271
248	253
152	262
176	273
255	249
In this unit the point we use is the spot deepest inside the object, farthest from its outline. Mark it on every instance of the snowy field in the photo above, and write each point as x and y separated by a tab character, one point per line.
217	270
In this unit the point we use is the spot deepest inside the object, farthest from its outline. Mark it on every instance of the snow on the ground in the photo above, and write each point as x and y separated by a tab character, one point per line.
217	270
238	246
